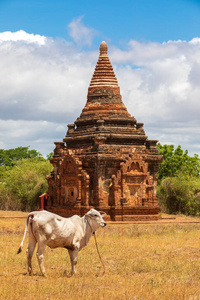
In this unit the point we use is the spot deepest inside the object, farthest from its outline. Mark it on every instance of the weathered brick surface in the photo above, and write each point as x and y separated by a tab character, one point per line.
105	160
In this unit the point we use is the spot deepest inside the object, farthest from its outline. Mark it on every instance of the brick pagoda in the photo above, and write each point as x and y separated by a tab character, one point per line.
105	160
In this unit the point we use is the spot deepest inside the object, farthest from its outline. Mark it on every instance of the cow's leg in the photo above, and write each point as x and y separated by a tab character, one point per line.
40	257
30	250
73	258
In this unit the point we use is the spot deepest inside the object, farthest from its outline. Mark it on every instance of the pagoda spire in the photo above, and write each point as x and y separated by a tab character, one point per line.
104	75
104	99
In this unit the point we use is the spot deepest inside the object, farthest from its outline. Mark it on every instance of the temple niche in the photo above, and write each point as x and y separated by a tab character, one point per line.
105	160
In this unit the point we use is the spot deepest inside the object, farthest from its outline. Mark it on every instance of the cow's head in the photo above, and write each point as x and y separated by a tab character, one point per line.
97	216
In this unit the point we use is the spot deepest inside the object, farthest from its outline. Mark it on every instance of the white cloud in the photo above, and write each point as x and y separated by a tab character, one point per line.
40	81
81	34
44	87
21	35
39	135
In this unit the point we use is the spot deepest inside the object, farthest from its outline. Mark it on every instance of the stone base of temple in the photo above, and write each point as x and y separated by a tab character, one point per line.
118	214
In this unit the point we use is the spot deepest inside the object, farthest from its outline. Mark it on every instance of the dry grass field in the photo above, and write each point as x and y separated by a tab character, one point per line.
143	261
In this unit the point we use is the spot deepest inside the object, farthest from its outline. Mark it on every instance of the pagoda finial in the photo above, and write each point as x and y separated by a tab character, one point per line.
103	99
103	48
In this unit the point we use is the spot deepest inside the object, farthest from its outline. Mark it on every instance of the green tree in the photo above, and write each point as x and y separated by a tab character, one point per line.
177	160
50	155
21	185
8	157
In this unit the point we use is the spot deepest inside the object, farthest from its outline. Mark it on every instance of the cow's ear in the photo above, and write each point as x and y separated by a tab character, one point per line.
90	214
103	214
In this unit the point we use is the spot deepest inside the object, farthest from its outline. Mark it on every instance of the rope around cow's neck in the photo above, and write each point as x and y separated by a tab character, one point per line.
93	232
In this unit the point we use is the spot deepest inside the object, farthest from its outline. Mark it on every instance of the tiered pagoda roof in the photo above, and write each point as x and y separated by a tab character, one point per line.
105	114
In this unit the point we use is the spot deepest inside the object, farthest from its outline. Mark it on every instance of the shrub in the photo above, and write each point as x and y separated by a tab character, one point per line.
22	184
180	194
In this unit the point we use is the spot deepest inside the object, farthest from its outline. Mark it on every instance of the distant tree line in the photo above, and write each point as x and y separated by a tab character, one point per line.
23	179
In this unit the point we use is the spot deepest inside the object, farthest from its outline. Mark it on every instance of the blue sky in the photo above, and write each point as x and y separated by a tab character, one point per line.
49	49
117	21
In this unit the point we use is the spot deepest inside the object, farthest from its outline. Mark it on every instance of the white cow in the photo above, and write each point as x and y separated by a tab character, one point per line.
48	229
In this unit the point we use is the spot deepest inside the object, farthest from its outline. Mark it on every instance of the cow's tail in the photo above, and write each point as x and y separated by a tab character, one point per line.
27	222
